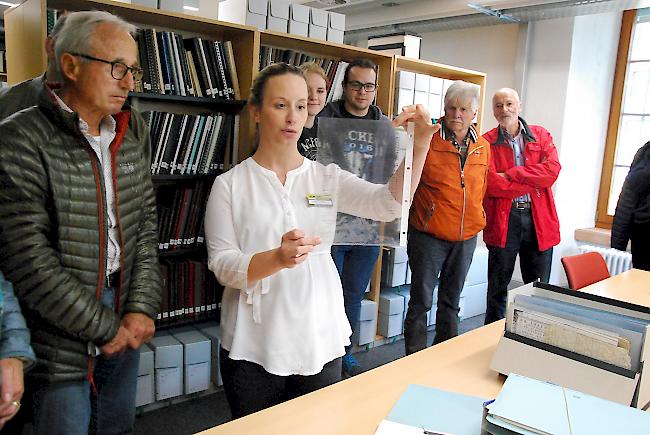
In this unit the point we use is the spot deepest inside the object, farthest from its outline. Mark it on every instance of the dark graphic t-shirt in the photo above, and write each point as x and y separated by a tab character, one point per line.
308	142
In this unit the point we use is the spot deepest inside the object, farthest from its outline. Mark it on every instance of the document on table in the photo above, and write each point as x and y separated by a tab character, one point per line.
604	345
528	406
423	409
628	327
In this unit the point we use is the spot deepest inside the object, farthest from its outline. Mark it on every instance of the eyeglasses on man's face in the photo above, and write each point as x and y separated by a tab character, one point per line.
118	69
368	87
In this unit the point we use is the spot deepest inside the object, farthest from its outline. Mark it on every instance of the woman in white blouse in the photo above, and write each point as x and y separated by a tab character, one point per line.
283	323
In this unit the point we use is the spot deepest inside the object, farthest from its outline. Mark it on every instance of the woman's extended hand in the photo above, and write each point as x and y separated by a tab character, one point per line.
424	128
295	247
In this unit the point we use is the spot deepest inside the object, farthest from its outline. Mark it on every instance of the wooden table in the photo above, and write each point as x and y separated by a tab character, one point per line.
357	405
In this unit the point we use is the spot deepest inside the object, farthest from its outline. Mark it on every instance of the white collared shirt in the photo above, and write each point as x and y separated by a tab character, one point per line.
101	144
292	322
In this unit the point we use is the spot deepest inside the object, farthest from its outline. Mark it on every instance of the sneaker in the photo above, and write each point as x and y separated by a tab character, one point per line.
350	366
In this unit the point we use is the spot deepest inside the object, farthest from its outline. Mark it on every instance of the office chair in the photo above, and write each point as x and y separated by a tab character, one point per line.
585	269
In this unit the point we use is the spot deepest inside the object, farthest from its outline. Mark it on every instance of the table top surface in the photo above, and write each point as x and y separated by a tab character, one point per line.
357	405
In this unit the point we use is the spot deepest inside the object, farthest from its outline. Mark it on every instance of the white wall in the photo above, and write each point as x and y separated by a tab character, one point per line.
491	49
584	128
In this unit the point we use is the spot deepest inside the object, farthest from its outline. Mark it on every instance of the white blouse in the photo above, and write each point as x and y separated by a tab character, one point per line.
292	322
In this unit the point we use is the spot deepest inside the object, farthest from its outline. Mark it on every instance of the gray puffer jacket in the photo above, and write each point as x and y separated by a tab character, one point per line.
53	232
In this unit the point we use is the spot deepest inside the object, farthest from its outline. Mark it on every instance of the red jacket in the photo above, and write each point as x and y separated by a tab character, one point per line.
535	178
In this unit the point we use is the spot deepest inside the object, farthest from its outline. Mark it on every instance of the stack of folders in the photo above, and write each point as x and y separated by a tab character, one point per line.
606	337
425	410
528	406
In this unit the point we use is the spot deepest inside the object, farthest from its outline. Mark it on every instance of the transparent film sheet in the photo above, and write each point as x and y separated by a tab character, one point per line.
372	150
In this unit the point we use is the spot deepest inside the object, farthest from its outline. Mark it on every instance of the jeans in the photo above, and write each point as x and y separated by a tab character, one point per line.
71	407
355	264
249	388
535	264
430	257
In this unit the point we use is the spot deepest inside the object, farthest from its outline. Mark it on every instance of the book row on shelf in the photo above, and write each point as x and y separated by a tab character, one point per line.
334	69
175	65
184	144
180	216
186	66
190	292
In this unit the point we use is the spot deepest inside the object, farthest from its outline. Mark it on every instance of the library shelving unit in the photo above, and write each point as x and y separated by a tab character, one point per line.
445	72
26	30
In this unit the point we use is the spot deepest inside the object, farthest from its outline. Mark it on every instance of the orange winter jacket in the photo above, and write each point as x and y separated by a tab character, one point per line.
448	202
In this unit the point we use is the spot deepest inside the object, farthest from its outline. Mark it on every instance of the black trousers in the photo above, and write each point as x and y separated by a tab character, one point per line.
249	388
640	238
535	264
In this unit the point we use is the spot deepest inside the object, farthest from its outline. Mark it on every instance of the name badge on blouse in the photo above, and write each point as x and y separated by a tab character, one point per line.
319	200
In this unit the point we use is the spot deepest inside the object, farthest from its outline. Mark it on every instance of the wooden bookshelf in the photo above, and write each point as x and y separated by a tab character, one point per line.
445	72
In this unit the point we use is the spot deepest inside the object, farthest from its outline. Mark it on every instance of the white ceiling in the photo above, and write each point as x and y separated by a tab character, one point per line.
376	17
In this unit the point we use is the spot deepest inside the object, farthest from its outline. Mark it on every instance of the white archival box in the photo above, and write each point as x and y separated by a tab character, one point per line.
516	354
372	150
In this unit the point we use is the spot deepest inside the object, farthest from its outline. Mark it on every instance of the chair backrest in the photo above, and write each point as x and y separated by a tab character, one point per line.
585	269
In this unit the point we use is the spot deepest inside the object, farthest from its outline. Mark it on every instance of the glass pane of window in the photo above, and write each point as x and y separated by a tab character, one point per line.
637	88
641	42
618	177
633	132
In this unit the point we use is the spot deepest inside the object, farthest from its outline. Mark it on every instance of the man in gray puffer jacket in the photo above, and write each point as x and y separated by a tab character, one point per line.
78	230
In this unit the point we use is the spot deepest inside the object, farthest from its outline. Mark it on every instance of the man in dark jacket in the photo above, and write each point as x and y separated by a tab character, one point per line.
632	217
25	94
519	206
78	230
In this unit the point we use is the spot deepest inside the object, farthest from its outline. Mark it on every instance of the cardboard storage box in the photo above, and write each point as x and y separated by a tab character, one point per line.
196	360
391	314
145	392
213	332
148	3
477	273
393	266
256	13
318	24
170	5
367	326
168	365
475	299
299	20
278	15
336	27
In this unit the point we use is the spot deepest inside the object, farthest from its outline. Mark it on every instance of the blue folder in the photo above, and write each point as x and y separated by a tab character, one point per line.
527	406
438	411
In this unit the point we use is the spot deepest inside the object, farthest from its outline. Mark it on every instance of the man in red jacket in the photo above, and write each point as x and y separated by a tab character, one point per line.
519	206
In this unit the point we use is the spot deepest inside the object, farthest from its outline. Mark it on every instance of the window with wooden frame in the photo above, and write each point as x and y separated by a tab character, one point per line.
629	117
